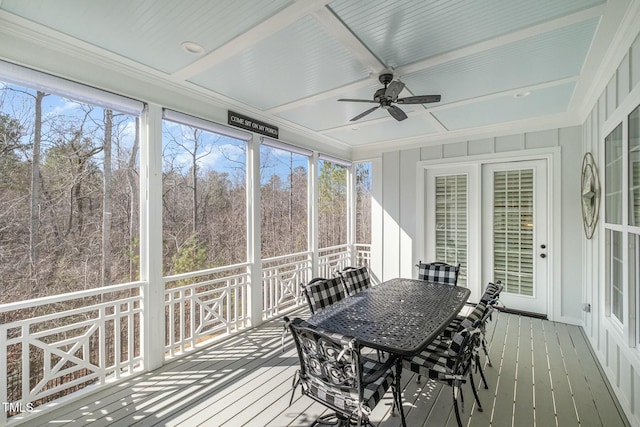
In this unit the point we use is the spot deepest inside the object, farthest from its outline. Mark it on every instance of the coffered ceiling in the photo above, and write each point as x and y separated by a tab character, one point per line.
495	63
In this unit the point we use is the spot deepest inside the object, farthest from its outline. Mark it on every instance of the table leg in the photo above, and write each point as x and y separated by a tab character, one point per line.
399	386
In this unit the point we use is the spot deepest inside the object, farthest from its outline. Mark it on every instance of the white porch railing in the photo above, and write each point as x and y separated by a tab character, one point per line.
204	305
363	254
281	280
333	259
54	346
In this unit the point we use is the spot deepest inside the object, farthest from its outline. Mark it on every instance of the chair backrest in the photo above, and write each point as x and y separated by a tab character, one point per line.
491	292
355	279
461	350
321	293
439	272
330	365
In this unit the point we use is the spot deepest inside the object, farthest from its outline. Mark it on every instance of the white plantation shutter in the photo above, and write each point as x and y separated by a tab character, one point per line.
451	222
513	230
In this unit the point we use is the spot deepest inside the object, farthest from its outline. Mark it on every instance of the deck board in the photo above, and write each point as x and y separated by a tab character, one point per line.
523	410
543	374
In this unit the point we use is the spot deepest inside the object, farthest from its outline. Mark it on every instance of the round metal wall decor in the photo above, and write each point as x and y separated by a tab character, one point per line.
590	189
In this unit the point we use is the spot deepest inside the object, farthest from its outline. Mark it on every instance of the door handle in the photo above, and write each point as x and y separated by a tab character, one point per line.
543	255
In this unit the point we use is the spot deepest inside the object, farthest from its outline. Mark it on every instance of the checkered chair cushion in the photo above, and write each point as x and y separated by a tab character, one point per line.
322	293
355	279
461	321
334	372
440	359
439	272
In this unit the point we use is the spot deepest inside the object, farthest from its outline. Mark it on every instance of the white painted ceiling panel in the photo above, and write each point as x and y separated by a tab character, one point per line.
405	31
149	31
288	61
552	100
299	61
546	57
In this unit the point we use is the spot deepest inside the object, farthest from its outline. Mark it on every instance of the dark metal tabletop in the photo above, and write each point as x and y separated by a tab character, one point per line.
400	316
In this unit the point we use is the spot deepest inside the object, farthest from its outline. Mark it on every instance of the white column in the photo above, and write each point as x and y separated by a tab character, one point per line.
352	195
254	246
153	321
377	221
313	212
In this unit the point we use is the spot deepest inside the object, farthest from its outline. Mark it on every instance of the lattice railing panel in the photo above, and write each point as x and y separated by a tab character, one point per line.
55	346
281	283
204	306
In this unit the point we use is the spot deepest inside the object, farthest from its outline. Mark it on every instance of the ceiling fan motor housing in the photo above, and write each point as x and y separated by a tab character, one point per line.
379	95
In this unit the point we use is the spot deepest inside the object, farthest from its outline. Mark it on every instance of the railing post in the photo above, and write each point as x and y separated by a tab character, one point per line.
153	319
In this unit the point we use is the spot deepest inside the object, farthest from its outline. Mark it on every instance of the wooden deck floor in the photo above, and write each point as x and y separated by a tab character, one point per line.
543	374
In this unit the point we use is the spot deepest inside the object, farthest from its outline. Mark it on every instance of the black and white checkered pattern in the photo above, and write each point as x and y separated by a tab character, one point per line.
439	273
443	359
355	279
322	293
491	292
334	372
461	322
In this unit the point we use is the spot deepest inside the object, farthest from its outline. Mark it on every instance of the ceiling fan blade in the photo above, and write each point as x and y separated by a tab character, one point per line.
393	90
420	99
361	115
358	100
397	113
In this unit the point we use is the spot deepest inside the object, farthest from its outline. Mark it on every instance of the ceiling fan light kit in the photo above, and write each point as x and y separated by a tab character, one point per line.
388	95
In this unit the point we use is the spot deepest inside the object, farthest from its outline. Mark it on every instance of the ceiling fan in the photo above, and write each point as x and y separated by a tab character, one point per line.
388	95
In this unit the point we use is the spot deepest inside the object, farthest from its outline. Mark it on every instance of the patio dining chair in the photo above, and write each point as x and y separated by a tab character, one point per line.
334	372
321	292
480	315
449	362
355	279
438	272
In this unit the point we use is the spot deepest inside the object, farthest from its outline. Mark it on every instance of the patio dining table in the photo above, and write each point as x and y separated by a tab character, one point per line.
399	316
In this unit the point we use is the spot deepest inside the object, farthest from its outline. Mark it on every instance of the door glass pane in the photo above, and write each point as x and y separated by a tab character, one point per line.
513	230
451	222
613	176
614	273
634	276
634	167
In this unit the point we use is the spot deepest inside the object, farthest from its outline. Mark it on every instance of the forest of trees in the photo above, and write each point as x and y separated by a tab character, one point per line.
69	195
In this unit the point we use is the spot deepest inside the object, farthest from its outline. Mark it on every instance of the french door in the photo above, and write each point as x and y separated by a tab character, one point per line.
492	219
515	232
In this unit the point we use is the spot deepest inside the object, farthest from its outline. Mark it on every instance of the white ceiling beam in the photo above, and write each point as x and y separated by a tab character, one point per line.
267	28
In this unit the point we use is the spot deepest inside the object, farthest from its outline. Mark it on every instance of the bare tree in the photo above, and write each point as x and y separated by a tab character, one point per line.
133	194
106	200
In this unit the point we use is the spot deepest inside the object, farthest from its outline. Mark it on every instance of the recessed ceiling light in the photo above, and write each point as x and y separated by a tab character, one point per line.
522	94
192	48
